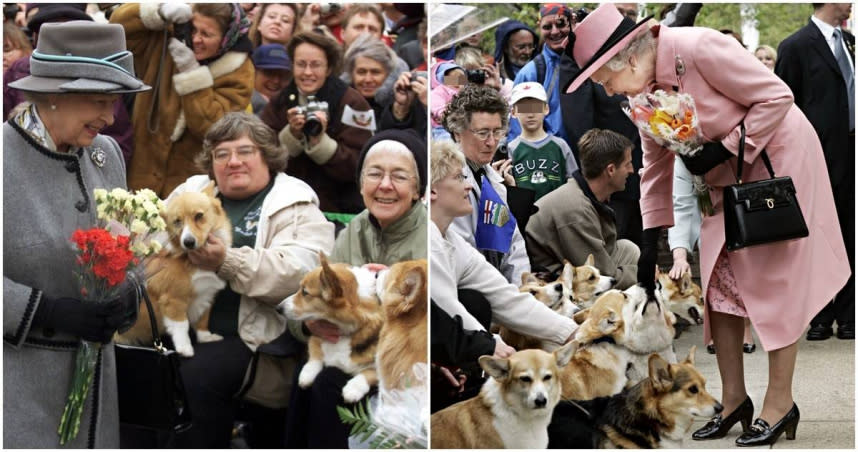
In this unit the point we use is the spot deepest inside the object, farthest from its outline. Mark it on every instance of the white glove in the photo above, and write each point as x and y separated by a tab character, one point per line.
176	13
182	55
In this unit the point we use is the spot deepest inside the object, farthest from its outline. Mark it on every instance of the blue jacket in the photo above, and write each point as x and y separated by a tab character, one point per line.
501	37
554	119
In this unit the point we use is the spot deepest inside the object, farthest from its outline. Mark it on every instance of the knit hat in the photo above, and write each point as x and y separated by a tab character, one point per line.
53	12
412	141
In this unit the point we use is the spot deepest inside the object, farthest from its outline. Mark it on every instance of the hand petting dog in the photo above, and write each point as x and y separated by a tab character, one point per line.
209	257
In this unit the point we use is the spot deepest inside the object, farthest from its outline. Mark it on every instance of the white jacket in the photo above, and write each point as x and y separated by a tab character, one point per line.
686	215
457	265
291	232
516	261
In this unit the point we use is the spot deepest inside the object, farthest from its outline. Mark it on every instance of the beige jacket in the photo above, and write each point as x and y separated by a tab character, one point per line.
291	232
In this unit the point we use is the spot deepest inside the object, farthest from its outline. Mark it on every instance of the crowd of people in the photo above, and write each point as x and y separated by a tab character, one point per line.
310	122
553	170
313	123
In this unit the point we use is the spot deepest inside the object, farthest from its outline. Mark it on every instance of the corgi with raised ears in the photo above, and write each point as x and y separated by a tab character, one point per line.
514	406
182	293
345	296
683	297
588	282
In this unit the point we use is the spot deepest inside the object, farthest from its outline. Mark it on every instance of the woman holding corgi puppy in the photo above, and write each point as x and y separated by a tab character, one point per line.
277	234
53	158
392	178
730	88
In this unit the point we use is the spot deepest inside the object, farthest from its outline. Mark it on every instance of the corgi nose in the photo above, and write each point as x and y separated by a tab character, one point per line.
718	408
540	401
613	281
189	242
558	287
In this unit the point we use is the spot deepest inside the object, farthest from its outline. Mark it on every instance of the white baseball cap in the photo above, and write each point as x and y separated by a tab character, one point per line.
524	90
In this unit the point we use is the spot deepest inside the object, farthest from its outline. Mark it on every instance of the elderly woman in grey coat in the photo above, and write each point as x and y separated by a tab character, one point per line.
53	159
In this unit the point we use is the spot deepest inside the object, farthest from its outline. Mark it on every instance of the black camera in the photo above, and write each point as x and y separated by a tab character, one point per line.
476	76
580	14
182	32
312	123
415	74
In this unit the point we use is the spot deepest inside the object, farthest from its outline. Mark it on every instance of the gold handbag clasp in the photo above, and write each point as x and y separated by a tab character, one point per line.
770	202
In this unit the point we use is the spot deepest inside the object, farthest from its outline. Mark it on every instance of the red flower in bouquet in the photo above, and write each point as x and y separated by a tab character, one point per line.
104	257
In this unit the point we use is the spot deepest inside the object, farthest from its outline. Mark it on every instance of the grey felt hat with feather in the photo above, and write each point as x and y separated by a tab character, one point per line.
81	57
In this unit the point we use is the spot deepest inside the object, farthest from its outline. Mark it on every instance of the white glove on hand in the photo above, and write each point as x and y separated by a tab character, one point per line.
176	13
182	55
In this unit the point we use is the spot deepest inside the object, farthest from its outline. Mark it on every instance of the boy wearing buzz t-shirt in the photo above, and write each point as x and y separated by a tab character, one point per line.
540	161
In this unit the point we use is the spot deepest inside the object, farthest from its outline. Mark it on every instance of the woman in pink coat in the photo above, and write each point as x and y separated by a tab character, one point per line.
779	286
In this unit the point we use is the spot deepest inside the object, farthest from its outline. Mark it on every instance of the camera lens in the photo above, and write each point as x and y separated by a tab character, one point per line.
312	126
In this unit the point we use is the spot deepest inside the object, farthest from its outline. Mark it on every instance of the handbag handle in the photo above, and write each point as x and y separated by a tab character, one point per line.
156	340
763	154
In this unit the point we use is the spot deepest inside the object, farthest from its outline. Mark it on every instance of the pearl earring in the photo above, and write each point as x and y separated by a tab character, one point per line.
53	107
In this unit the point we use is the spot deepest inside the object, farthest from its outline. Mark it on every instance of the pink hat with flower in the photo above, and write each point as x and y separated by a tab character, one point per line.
598	38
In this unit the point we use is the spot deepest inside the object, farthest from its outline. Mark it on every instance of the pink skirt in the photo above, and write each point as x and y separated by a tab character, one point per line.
722	295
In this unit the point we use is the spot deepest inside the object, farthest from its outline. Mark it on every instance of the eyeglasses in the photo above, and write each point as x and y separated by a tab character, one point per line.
559	23
523	47
484	134
243	154
397	177
314	66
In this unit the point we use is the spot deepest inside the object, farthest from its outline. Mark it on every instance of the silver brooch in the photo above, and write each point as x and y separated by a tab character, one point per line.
98	156
680	66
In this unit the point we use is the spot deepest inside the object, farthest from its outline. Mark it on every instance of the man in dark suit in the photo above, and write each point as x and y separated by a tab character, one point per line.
818	64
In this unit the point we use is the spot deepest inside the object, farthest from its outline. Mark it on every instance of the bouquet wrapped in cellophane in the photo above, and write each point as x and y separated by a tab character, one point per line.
108	255
670	119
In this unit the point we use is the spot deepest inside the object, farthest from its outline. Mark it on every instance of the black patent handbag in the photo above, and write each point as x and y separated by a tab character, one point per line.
760	212
150	389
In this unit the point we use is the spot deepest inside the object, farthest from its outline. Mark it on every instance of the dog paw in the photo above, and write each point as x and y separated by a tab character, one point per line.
355	389
308	373
208	336
185	350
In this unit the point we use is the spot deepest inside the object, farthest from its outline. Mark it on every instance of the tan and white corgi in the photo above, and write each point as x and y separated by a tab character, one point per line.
182	293
684	297
588	283
345	296
556	295
655	413
513	408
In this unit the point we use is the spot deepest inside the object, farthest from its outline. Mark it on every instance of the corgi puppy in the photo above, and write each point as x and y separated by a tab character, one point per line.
655	413
684	297
557	295
402	355
513	408
588	283
181	293
345	296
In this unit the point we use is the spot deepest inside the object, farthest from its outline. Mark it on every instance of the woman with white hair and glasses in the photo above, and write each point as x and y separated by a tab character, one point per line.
54	156
731	90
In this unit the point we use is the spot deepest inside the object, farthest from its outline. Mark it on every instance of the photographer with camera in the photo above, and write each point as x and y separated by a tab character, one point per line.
310	118
200	70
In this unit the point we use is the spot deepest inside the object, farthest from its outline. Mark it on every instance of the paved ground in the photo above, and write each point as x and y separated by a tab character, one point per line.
824	390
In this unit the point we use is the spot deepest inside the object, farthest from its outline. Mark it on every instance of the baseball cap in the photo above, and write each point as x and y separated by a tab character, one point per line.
531	90
271	56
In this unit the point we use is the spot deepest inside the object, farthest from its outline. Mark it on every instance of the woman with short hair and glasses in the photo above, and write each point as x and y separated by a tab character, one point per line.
278	232
311	116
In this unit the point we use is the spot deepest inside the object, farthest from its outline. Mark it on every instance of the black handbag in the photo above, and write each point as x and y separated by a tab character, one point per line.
151	392
761	212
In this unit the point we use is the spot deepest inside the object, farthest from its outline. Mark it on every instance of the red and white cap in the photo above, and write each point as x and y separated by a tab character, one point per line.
532	90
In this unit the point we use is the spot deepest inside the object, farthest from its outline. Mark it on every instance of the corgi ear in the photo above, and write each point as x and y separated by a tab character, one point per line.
528	277
568	273
690	358
210	189
411	288
580	316
590	261
610	323
659	373
564	353
498	368
331	286
685	281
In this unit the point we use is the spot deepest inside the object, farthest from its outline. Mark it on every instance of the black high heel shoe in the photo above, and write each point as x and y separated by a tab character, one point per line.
762	434
718	426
